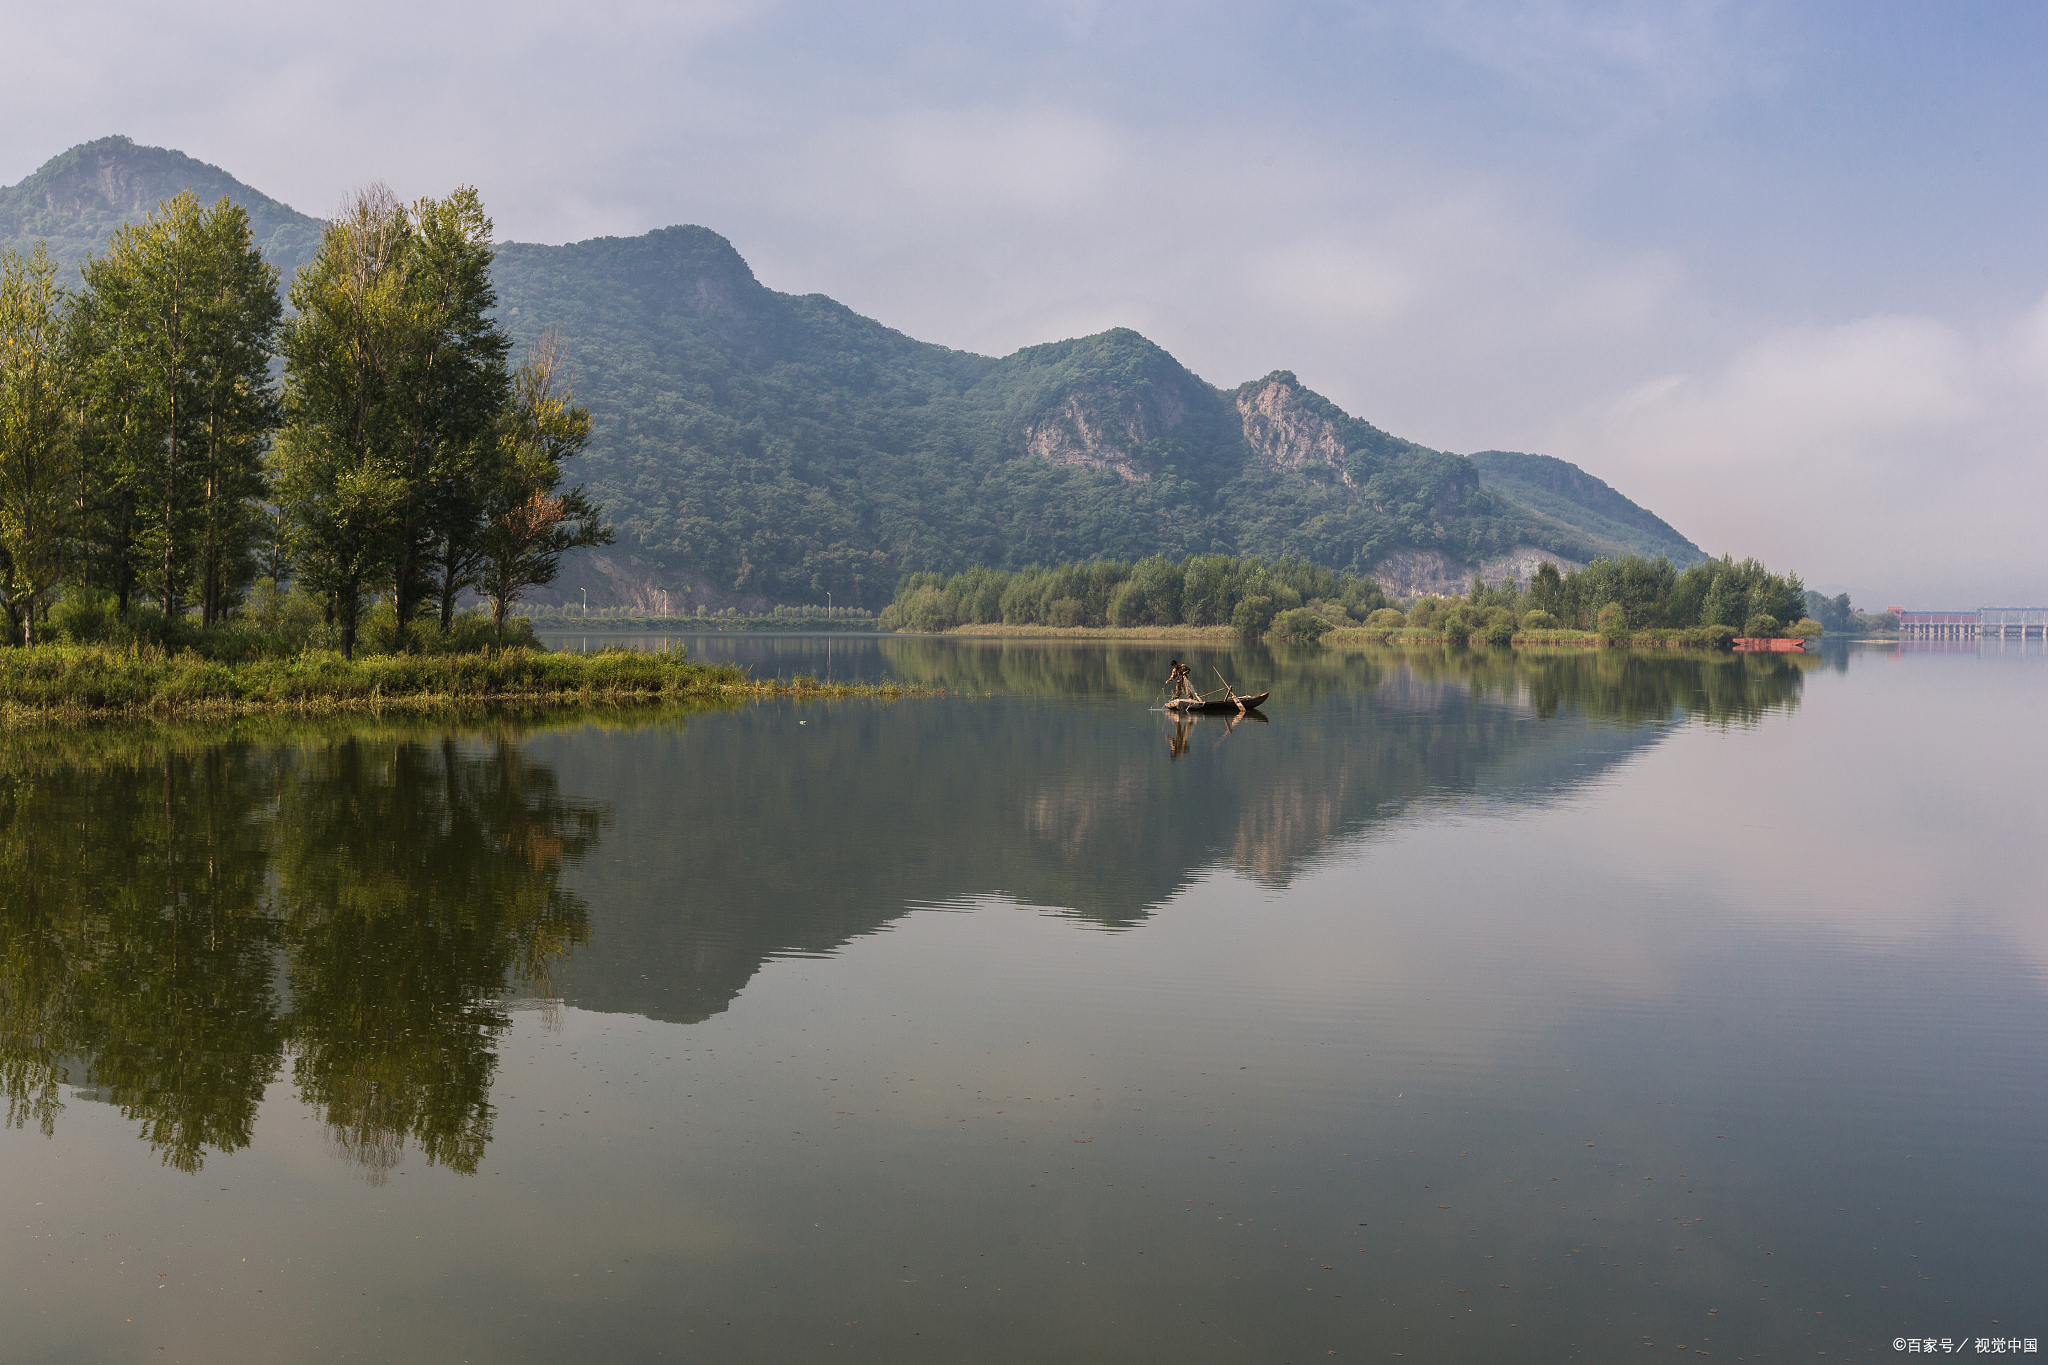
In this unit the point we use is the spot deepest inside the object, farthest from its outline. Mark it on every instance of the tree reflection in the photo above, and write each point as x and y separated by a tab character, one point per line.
177	921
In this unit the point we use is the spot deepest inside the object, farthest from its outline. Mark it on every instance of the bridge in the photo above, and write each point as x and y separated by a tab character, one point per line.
1999	623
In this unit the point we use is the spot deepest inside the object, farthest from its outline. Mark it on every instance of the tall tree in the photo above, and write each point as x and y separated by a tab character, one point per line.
453	392
531	524
394	381
182	314
38	449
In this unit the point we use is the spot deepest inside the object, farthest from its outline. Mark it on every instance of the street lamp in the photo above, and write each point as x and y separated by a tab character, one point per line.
586	602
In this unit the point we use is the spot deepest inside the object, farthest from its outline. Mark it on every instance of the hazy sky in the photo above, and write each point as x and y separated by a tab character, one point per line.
1775	271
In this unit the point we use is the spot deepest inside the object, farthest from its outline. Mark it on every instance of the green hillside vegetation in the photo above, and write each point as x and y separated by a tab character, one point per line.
1567	492
780	447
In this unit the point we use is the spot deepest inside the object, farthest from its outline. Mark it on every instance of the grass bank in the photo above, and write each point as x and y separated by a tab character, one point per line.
58	682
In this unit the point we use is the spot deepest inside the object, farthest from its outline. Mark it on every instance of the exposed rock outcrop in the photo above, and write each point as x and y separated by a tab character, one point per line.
1432	573
1102	430
1286	431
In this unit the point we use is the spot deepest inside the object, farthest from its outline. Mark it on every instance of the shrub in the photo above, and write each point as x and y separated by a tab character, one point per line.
1253	615
85	616
1538	620
1066	612
1762	627
1713	637
1456	629
1300	626
1612	623
1128	605
926	612
1387	618
1805	628
1500	626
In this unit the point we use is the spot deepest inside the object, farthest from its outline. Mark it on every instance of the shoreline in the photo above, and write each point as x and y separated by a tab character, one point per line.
62	685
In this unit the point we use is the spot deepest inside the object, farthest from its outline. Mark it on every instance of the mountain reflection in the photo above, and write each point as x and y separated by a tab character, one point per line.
179	921
187	920
753	838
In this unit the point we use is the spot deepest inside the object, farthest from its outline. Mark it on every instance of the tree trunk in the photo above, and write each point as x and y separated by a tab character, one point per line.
450	590
348	606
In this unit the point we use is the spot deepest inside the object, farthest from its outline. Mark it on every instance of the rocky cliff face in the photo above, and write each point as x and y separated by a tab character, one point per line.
1099	429
1431	573
1286	431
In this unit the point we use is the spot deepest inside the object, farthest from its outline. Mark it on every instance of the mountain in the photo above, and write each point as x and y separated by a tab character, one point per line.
756	447
760	446
79	197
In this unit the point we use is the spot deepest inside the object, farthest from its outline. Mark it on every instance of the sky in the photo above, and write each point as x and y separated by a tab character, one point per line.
1775	271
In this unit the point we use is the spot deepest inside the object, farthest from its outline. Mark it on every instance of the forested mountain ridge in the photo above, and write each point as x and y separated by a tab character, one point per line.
754	447
1569	493
776	446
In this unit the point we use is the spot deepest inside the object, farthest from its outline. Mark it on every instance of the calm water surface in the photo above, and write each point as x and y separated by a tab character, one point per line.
1474	1007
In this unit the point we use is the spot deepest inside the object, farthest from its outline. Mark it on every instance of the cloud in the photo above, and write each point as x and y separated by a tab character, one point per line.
1900	454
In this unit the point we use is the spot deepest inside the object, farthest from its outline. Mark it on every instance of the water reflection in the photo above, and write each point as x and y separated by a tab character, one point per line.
183	917
180	920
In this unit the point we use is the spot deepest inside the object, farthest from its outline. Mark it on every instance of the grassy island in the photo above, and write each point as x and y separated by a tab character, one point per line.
91	682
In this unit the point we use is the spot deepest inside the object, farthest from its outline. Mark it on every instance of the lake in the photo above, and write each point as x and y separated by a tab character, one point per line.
1470	1006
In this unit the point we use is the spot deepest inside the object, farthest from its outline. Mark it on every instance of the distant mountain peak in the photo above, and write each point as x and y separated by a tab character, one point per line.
76	199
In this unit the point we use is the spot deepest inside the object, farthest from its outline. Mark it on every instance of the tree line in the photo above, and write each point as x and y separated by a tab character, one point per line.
1200	590
1617	597
1295	598
171	432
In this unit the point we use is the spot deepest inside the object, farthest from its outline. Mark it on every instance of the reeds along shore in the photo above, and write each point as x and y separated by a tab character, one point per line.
54	682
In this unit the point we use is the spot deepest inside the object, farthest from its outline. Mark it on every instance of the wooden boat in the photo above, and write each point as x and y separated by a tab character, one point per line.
1197	706
1773	645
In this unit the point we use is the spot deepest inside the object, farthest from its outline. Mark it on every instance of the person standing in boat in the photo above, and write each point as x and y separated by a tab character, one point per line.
1178	681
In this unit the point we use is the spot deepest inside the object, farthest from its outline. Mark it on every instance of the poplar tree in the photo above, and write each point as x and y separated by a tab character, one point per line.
180	318
38	449
394	383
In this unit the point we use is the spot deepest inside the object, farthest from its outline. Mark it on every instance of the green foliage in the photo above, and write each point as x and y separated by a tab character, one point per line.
40	475
394	385
175	327
1805	628
1201	590
527	523
1500	626
1299	626
1387	618
1762	627
1612	623
1538	619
